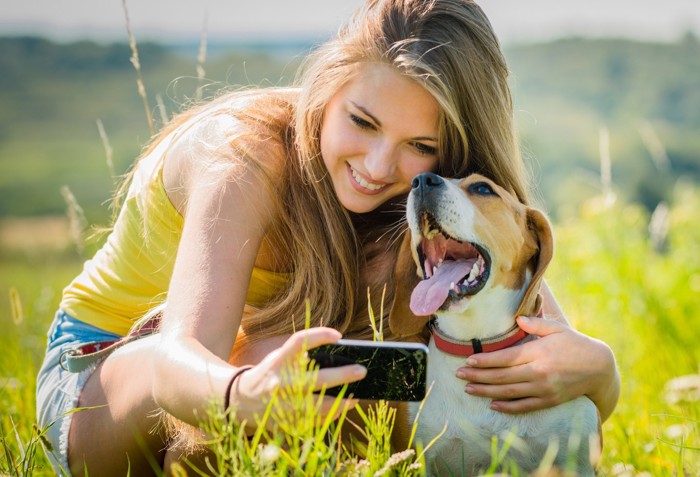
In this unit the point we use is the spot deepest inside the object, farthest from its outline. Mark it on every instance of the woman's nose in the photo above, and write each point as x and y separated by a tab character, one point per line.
381	161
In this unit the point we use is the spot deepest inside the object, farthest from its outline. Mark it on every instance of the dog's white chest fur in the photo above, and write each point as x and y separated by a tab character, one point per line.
470	424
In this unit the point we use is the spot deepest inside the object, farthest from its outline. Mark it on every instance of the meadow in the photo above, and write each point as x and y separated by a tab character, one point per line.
621	275
618	282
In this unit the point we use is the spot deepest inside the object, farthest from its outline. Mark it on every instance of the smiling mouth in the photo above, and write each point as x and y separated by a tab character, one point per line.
362	182
452	268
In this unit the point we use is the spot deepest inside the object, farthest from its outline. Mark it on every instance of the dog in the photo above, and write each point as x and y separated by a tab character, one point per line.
472	260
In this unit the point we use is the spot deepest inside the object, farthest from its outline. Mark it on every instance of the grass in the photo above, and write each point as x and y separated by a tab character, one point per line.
606	274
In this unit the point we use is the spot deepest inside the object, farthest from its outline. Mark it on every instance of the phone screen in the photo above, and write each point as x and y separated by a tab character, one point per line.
395	371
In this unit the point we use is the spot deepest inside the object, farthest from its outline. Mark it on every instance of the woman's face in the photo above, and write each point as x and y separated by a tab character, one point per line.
379	131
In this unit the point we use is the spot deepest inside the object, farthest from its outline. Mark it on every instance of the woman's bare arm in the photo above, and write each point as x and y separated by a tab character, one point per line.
563	365
604	390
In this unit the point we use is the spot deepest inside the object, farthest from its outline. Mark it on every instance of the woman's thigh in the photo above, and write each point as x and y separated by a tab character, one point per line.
95	418
57	389
118	430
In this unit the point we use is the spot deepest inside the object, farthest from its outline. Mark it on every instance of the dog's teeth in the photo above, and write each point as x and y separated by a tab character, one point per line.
474	272
434	270
452	285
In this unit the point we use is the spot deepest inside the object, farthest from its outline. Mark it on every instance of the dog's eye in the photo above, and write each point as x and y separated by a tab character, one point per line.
481	188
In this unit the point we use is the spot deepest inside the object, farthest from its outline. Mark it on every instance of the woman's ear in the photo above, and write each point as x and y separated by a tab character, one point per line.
402	322
540	228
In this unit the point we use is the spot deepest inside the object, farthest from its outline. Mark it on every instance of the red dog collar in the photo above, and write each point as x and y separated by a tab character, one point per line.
466	349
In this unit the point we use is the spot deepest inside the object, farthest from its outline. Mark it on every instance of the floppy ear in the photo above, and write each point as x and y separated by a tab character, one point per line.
402	321
539	226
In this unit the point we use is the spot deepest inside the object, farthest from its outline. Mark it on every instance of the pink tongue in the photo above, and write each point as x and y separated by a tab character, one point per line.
431	293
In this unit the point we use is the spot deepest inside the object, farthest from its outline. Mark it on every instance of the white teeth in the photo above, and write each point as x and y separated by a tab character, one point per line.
452	285
434	270
474	272
477	269
364	183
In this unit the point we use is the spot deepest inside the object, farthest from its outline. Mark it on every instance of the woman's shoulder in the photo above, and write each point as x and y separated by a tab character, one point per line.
238	130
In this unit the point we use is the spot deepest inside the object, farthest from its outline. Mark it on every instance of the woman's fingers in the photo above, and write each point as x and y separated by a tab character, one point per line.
273	370
330	377
540	326
506	375
519	406
308	339
296	344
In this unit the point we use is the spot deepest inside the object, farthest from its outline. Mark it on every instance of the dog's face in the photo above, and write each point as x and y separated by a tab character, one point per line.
467	238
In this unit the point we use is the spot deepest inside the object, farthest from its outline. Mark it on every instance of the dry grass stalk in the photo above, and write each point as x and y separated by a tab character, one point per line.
201	59
16	306
161	109
76	219
109	152
137	66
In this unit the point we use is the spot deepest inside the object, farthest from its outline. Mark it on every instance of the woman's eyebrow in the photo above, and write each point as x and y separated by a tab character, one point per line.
378	123
364	111
425	138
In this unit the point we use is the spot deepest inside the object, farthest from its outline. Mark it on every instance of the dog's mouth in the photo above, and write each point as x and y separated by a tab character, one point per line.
452	269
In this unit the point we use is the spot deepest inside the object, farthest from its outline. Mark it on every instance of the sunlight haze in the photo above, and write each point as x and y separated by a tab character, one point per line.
513	20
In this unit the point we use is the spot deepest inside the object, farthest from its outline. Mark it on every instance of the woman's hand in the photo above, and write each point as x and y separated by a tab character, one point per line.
253	388
560	366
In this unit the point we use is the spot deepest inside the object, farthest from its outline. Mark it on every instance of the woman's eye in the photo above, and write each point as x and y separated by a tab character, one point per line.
361	123
425	150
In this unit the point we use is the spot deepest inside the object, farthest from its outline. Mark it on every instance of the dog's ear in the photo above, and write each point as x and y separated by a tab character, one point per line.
540	228
402	322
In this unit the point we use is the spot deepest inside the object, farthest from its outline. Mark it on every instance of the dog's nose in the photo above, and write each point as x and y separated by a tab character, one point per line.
427	181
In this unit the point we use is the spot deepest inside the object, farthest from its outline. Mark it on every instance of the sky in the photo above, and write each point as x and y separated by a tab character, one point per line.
513	20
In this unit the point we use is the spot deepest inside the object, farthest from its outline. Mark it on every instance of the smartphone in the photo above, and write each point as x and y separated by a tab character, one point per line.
396	371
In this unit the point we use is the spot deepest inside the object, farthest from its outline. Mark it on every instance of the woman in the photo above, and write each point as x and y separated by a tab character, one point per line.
245	207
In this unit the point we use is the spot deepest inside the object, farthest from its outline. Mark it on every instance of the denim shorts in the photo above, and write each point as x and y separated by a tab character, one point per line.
57	389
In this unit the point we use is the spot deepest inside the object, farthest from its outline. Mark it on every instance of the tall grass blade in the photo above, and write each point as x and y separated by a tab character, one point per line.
202	58
109	153
137	66
76	219
16	307
162	111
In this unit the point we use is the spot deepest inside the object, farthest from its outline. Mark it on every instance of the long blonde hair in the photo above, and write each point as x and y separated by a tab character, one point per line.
449	47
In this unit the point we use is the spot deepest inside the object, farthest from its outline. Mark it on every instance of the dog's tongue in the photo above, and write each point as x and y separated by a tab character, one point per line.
431	293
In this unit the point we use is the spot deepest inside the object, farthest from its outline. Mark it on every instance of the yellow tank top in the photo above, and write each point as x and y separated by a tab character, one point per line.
130	274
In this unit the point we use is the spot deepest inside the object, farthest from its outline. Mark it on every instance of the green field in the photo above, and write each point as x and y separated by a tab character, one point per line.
609	278
634	287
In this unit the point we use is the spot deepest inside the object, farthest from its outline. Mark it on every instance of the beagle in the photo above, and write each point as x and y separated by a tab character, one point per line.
471	262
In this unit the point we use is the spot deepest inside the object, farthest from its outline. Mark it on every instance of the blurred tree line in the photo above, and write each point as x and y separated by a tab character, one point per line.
576	99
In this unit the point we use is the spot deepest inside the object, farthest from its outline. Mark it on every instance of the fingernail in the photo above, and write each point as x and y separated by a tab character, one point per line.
469	389
359	370
524	319
471	361
461	373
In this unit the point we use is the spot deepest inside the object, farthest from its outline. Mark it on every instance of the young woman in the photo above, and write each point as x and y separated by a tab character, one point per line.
245	207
